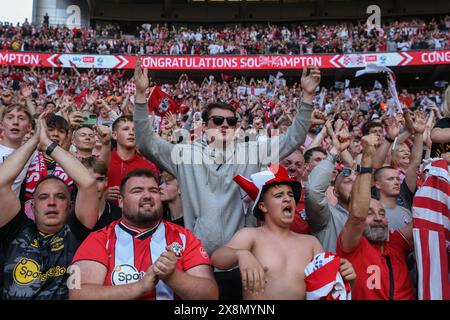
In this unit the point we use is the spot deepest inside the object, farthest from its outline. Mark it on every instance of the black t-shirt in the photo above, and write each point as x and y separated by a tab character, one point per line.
168	217
35	264
110	213
439	148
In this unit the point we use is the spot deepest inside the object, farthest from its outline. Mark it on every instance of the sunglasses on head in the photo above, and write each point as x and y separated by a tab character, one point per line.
218	120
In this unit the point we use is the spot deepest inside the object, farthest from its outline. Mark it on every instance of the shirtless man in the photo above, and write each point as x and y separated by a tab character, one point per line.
272	258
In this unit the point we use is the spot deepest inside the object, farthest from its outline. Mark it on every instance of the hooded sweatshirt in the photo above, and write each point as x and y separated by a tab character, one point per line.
211	200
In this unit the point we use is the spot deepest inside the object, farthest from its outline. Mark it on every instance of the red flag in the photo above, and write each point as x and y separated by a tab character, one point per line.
79	97
431	231
41	85
406	100
161	102
235	104
270	104
226	77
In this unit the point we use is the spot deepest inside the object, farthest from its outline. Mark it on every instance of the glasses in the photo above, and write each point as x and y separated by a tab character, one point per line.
345	171
218	120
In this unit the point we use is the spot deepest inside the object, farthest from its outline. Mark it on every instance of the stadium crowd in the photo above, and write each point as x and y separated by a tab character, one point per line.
411	34
98	192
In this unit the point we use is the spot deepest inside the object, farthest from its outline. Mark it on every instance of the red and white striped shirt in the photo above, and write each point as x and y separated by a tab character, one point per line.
127	253
431	231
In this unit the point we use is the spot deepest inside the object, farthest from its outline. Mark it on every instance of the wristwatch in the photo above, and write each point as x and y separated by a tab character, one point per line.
50	148
361	169
388	139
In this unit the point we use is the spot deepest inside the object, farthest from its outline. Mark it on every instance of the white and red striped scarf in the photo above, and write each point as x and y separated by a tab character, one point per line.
38	170
323	280
431	230
130	87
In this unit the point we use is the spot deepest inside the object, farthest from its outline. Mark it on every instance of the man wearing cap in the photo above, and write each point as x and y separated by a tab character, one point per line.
272	258
212	204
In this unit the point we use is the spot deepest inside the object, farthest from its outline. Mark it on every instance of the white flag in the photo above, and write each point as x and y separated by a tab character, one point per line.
347	83
348	94
241	92
51	87
377	85
393	92
440	84
391	108
376	96
373	68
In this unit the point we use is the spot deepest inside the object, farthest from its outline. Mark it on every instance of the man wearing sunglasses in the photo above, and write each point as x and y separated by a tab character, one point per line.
212	202
326	220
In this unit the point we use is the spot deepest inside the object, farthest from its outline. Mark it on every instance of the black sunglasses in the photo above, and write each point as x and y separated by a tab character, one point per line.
218	120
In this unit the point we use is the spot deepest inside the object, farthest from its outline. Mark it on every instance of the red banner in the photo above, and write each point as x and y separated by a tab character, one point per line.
276	62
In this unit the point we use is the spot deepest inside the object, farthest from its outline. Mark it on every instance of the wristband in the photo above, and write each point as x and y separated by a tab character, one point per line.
333	156
50	148
390	140
360	169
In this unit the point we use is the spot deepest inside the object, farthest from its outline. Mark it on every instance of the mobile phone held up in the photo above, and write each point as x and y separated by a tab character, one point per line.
90	119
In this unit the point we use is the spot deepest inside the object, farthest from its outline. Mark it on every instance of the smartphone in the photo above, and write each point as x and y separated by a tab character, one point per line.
90	119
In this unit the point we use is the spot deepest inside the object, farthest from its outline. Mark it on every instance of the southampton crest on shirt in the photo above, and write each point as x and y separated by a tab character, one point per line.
177	249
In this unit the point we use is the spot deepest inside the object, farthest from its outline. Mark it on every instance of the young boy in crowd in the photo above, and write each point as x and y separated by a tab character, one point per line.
272	258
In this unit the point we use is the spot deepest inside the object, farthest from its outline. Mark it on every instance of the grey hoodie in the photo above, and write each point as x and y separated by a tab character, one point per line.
326	221
211	200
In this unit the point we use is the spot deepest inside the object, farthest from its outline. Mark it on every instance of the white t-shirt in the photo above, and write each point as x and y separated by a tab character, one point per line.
4	153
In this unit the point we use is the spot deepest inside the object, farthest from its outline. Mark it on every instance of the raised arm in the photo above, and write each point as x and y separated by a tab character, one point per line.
392	128
75	119
150	144
317	141
125	102
317	208
360	197
104	134
440	135
416	151
26	92
9	170
278	148
86	204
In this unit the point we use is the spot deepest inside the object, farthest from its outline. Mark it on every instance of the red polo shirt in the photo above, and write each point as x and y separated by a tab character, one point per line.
118	168
369	262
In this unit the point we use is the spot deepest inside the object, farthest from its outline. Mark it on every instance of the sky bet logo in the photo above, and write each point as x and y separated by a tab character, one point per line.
125	274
